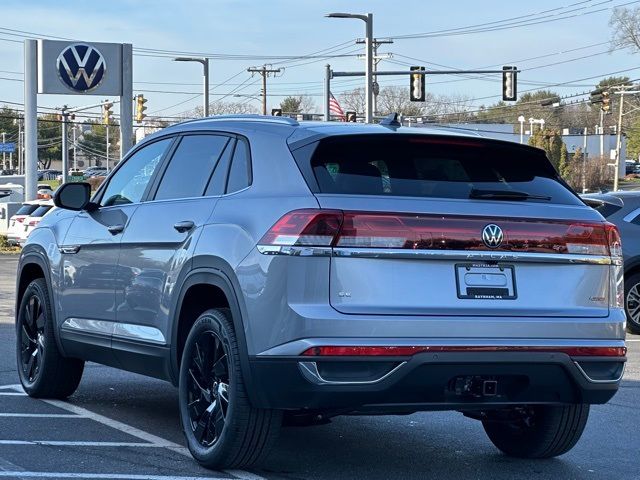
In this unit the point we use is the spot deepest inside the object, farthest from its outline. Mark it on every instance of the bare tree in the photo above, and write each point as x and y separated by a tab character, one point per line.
396	100
353	100
223	108
625	25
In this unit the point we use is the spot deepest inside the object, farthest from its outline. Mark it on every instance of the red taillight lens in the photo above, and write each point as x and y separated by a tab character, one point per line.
613	239
305	228
20	219
351	229
33	223
377	351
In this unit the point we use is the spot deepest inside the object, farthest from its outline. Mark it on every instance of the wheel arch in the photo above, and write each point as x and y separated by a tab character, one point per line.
211	277
32	265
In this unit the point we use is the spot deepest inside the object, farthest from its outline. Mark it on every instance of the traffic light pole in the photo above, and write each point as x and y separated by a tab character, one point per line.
329	74
107	135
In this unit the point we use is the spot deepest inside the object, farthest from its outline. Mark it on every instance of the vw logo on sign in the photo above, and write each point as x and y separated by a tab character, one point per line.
81	67
492	236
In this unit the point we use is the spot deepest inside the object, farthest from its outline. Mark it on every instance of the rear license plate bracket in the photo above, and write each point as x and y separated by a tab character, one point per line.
485	281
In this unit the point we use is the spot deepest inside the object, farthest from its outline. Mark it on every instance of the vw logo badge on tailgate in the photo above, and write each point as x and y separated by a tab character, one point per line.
81	67
492	236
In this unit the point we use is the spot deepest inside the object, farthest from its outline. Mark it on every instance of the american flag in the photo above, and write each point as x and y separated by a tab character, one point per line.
335	108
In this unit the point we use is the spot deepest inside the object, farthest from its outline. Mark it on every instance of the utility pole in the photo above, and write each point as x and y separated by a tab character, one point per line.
622	90
65	147
601	133
4	138
584	161
265	72
75	153
376	59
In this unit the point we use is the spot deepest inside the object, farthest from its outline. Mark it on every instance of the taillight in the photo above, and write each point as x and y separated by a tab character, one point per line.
305	228
33	223
405	351
351	229
616	270
20	219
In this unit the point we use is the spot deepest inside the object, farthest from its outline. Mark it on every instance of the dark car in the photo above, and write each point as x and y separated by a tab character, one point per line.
623	210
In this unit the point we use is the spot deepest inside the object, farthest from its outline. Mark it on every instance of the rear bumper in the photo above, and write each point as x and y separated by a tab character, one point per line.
432	381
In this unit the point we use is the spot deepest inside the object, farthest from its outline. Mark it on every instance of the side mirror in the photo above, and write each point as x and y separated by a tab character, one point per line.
73	196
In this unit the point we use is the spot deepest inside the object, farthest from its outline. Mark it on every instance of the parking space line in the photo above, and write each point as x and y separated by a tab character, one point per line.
154	441
65	443
41	415
101	476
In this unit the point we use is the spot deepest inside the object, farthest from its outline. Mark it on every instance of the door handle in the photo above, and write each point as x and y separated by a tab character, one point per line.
184	226
115	229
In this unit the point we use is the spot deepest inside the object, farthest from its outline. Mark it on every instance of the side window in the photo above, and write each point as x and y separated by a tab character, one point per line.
240	173
219	178
191	166
130	181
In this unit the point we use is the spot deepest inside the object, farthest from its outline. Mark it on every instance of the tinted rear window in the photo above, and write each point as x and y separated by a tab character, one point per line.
41	210
26	209
606	209
433	166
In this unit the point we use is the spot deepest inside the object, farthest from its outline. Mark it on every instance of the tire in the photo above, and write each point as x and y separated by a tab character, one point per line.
43	371
632	303
211	386
547	431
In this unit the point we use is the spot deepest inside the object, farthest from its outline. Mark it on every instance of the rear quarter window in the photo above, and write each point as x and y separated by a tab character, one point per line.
429	166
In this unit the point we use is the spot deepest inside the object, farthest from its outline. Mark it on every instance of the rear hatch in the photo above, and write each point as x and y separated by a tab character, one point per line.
437	225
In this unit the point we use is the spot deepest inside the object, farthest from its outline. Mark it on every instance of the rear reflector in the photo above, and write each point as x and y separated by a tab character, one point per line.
348	229
375	351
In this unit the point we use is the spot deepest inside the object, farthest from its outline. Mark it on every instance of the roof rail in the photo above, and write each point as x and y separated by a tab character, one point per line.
248	118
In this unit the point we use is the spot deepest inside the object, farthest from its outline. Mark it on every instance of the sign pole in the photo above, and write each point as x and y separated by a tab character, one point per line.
30	119
65	146
126	100
327	92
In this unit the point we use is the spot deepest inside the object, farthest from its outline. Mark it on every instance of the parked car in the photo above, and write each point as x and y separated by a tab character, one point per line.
32	221
630	166
623	209
95	172
16	222
308	270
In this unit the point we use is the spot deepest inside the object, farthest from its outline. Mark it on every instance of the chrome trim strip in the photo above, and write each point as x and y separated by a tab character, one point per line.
589	379
138	332
86	325
457	255
127	331
295	251
467	255
310	371
69	249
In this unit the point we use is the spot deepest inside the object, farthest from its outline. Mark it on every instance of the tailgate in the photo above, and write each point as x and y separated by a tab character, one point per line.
472	264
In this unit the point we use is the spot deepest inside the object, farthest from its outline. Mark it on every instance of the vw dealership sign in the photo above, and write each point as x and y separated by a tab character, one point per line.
79	68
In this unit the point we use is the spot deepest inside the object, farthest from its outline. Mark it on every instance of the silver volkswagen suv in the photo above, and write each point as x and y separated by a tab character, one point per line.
277	271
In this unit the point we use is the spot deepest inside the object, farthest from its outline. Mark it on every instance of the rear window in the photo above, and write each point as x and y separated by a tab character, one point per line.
433	166
26	209
606	209
41	210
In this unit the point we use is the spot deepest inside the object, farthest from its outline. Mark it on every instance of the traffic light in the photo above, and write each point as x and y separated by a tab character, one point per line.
140	108
106	113
606	102
276	112
416	85
350	116
509	84
596	96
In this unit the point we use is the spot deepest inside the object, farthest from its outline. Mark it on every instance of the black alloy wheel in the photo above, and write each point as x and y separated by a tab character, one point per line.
32	344
208	388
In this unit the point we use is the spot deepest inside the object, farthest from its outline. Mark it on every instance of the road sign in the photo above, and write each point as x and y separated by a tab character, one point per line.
7	147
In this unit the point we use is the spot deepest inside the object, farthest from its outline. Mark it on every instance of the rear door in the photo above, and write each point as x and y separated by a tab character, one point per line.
450	226
162	234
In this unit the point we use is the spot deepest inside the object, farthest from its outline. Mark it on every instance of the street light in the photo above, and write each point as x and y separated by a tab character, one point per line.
368	20
205	63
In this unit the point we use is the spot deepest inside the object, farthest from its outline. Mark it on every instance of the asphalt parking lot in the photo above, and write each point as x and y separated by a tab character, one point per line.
125	426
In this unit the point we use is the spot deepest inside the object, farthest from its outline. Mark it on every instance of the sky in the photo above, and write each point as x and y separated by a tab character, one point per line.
576	46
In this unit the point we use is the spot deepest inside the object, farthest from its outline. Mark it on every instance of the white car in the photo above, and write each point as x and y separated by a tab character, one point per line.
33	220
16	226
